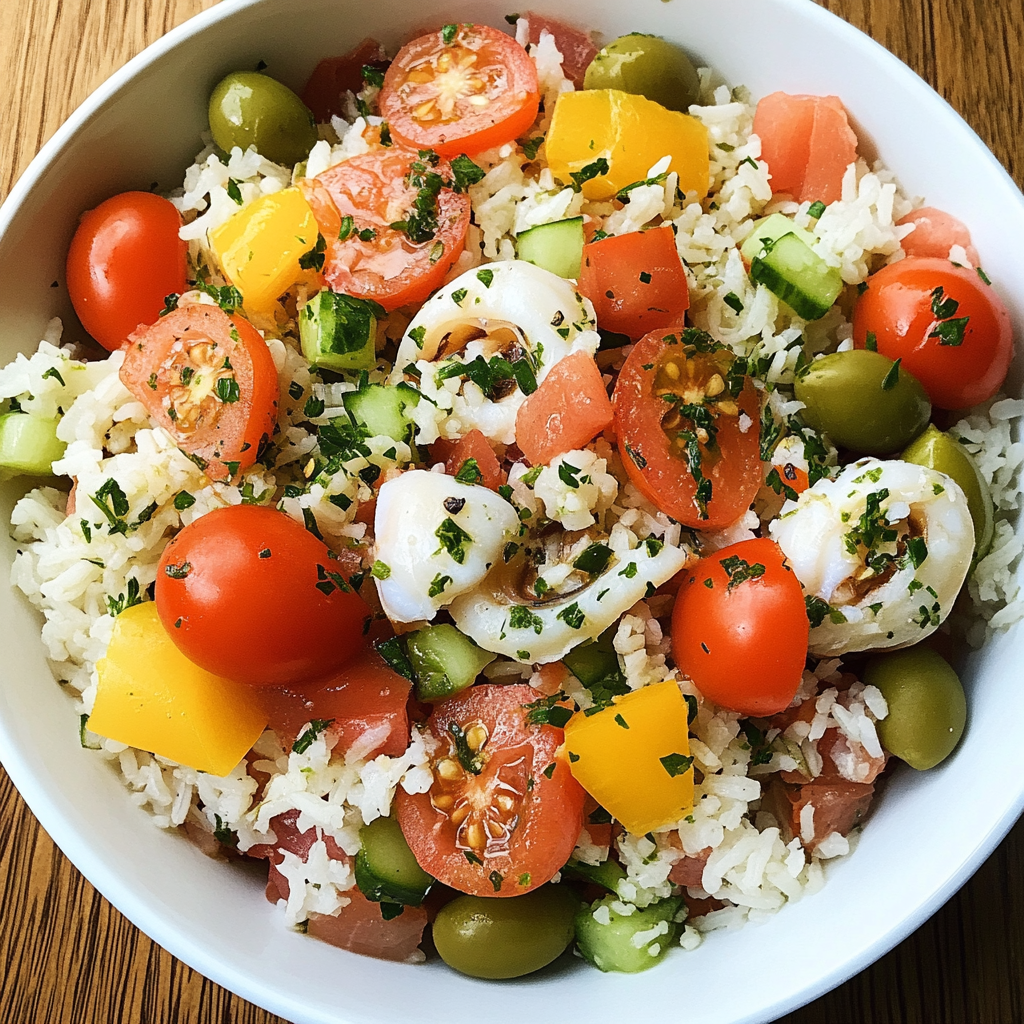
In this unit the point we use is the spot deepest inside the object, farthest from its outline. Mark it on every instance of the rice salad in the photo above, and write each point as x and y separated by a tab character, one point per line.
756	834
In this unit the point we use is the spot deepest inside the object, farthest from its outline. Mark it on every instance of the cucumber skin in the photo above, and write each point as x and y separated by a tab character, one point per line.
772	228
343	318
608	946
29	444
557	247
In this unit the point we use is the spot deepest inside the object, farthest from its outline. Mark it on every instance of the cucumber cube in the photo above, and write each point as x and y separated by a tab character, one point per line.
557	247
339	332
29	444
444	660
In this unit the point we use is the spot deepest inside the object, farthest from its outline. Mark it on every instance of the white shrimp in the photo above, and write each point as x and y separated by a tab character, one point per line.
436	538
512	309
881	552
505	617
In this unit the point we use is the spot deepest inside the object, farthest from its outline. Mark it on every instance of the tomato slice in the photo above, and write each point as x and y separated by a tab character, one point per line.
508	829
739	628
324	93
636	282
209	380
124	259
357	202
689	437
365	702
463	89
575	45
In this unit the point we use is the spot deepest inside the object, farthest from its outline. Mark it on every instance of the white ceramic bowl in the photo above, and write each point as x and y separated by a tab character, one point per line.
928	832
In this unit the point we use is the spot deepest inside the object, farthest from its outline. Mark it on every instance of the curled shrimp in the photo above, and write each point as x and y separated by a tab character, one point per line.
881	551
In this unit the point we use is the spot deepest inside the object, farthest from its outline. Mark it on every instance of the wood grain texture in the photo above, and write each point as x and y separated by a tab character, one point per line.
67	957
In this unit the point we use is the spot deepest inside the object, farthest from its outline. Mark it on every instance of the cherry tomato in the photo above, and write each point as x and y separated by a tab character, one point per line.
209	380
945	322
739	628
324	93
463	89
249	594
503	817
125	258
689	443
636	282
355	204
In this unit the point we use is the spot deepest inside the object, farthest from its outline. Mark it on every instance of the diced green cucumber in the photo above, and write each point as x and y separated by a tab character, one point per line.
611	947
608	873
595	662
339	332
790	269
557	247
781	258
444	660
771	229
386	870
29	444
382	409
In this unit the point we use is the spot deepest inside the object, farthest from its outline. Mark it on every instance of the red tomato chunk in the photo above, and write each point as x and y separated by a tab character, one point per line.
365	701
636	282
359	928
570	408
807	143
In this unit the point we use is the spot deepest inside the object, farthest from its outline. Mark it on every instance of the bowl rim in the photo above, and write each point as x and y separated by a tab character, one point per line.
114	887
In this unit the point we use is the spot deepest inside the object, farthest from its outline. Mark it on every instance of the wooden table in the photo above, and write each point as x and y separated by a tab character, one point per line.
68	956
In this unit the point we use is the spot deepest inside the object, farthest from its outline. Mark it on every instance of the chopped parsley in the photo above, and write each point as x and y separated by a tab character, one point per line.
453	540
594	559
471	762
314	259
917	549
438	585
548	711
178	572
465	172
676	764
732	300
227	390
520	617
816	209
572	616
485	276
892	378
448	34
588	173
531	146
950	332
234	192
469	472
116	605
380	570
306	738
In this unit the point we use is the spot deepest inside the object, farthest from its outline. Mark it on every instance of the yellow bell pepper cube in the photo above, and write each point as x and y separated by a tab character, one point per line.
632	133
259	247
152	697
633	757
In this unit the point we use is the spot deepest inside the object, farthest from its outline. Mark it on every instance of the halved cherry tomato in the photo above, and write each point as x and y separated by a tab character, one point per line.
636	282
365	702
945	322
125	258
463	89
689	442
355	204
209	380
739	628
503	817
248	593
324	93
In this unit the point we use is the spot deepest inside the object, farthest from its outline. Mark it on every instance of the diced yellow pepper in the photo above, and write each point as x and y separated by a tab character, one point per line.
633	758
152	697
259	247
632	133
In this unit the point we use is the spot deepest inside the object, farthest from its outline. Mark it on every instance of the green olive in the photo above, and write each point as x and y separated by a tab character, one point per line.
250	109
941	452
506	938
927	706
646	66
863	402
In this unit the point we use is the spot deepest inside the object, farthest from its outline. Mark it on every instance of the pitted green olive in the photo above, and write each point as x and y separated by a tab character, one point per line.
863	402
506	937
250	109
927	706
646	66
939	451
